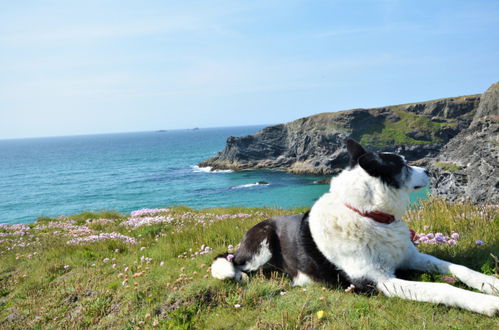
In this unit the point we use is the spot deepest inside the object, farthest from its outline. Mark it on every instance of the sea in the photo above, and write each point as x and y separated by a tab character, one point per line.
56	176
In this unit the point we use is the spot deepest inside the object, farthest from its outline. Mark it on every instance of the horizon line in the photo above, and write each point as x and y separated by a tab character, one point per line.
159	130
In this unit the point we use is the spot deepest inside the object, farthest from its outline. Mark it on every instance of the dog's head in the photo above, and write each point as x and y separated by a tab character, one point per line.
390	168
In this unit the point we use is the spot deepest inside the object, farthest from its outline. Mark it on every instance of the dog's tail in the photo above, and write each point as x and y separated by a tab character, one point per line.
223	268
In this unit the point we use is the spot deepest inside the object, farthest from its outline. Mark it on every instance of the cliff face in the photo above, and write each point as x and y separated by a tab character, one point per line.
456	138
314	145
468	166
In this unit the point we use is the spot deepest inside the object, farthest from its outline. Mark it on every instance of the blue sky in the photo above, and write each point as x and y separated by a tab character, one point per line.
84	67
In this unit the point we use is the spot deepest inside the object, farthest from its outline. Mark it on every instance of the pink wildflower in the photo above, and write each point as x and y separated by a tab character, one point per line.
423	239
136	222
449	279
101	237
142	212
440	238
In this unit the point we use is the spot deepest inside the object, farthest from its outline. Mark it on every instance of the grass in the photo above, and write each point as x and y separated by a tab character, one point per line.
47	284
389	132
451	167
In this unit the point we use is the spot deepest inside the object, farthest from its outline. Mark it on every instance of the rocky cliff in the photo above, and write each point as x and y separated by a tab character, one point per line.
314	145
468	166
456	137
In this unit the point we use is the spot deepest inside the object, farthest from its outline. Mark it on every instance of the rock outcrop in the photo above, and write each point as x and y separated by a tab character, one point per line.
457	138
314	145
467	168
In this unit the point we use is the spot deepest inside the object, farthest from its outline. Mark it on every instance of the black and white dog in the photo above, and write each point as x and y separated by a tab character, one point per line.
354	235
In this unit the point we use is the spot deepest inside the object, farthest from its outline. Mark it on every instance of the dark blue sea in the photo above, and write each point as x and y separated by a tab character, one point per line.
124	172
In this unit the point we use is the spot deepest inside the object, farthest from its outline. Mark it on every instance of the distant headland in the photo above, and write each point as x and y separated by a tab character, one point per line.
455	137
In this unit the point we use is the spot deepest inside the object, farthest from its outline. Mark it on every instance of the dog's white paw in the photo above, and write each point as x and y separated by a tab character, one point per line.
491	286
488	305
223	269
476	280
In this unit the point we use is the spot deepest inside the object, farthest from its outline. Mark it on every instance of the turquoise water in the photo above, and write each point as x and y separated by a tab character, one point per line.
123	172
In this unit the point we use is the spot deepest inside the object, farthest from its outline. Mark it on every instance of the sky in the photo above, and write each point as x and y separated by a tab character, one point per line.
88	67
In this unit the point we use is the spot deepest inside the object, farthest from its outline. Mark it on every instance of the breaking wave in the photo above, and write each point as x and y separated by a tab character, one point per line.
249	185
207	169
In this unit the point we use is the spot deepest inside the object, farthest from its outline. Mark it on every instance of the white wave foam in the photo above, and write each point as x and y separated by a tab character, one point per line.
207	169
249	185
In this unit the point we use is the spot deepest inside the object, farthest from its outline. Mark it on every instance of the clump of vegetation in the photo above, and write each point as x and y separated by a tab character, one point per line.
451	167
397	132
151	269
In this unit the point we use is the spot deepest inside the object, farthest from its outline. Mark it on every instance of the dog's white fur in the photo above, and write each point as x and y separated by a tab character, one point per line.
223	269
364	248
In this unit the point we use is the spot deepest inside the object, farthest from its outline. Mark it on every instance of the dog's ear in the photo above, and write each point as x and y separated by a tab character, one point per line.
373	164
355	150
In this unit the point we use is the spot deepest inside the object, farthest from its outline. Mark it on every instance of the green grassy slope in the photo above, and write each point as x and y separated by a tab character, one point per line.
162	280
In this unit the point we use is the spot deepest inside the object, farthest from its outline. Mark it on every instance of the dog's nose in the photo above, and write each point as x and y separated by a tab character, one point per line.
427	172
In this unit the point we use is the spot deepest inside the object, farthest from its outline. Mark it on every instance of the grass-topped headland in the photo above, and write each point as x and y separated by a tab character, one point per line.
315	144
151	269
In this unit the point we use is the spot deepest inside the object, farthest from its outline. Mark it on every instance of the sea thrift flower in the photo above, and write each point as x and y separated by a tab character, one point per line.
105	260
66	266
230	257
350	288
451	242
449	279
237	306
136	222
440	238
142	212
101	237
423	239
455	236
162	263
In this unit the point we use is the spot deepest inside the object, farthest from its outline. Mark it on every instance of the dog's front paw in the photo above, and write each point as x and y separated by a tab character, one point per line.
491	310
476	280
490	285
488	305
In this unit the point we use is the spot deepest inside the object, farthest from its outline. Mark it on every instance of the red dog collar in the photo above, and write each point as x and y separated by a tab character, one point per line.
377	216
